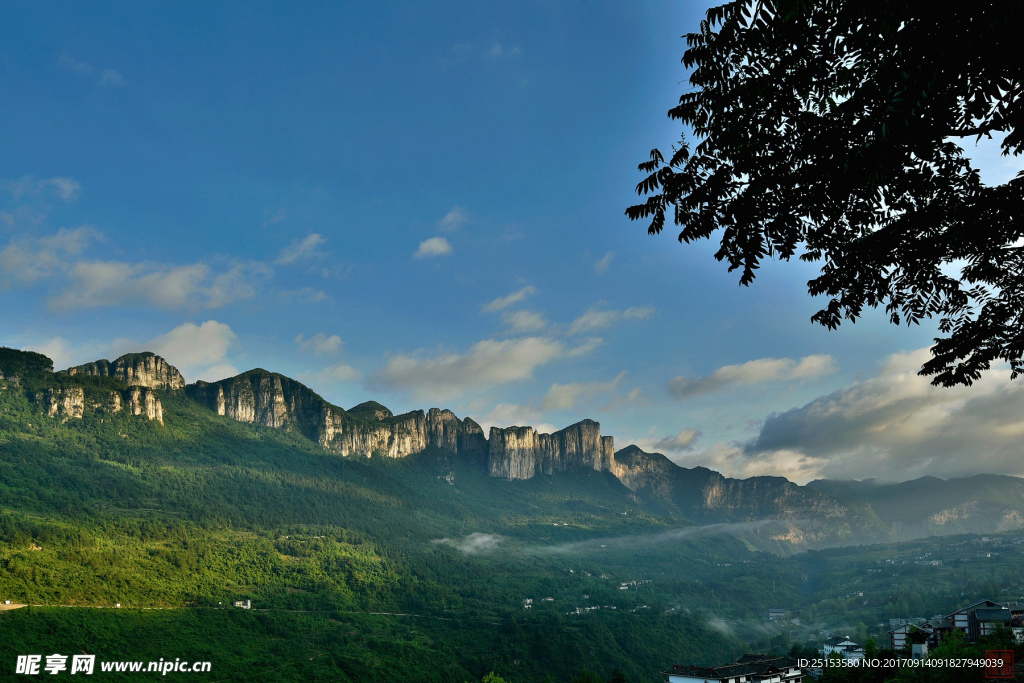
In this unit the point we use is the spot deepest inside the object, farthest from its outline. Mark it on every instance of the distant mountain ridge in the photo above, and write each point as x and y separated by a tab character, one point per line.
819	514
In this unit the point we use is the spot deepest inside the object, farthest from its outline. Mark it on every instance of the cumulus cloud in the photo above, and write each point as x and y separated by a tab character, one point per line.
565	396
752	372
487	363
472	544
596	319
898	426
453	219
435	246
198	351
320	343
601	265
524	321
301	249
503	302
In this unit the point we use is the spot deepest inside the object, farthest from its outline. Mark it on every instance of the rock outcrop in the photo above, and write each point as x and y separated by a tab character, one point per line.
144	401
68	402
521	452
273	400
135	369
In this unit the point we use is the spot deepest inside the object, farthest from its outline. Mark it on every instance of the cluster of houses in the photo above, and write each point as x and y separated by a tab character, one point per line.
974	621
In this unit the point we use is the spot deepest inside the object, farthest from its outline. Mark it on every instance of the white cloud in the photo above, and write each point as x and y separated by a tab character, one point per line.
752	372
453	219
28	260
320	343
67	189
198	351
601	265
435	246
487	363
506	301
115	283
565	396
898	426
341	373
63	353
524	321
301	249
585	348
595	319
730	460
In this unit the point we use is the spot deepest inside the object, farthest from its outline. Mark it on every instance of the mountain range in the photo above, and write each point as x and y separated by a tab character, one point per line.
819	514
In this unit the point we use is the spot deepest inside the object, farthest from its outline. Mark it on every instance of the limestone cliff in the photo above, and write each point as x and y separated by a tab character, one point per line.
273	400
71	394
68	403
521	452
135	369
144	401
71	402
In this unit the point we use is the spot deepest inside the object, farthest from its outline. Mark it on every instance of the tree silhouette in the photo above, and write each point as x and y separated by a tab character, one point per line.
826	130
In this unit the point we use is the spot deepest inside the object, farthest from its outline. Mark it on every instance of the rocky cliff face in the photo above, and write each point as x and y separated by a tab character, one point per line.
144	401
68	403
272	400
521	452
135	369
637	470
71	403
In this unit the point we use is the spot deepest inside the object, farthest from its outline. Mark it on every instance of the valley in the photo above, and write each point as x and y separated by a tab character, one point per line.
445	562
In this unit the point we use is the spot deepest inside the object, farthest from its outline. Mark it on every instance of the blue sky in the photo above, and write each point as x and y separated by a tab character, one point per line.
423	205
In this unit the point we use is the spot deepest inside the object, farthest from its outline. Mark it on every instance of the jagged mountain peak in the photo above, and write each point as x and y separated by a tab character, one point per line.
145	369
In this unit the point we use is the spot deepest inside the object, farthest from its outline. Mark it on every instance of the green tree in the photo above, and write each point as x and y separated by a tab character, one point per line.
825	129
